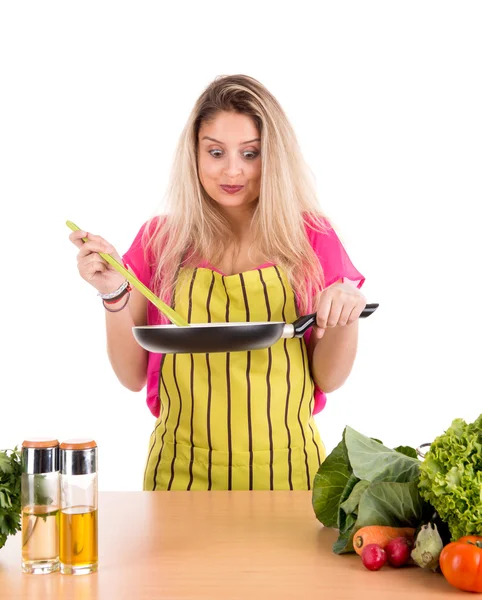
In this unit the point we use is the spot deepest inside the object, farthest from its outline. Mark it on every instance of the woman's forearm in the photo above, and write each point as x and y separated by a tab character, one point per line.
128	359
333	355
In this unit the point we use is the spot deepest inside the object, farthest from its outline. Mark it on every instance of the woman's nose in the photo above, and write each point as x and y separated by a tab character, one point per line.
233	167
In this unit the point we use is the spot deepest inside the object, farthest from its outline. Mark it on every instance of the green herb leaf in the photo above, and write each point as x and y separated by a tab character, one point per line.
5	463
10	484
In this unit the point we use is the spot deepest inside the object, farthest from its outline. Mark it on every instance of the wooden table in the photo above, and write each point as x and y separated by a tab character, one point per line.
229	545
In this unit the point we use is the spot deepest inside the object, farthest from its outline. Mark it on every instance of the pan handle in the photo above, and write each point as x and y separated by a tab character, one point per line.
303	323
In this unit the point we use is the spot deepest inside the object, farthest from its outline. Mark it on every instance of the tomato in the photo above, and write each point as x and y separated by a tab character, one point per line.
470	538
461	563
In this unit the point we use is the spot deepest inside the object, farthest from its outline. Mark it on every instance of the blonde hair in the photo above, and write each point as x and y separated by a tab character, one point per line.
194	228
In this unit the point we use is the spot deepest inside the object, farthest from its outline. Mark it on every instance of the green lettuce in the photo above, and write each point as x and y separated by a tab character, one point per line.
451	477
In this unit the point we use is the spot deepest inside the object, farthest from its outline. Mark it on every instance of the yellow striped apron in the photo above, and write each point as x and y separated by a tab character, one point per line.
236	420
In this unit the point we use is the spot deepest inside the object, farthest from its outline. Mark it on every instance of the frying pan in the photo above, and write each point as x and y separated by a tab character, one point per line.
223	337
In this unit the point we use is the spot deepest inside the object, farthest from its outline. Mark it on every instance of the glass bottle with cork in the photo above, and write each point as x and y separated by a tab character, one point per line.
78	507
39	499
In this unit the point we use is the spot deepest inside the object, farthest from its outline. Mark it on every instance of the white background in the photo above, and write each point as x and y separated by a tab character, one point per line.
385	98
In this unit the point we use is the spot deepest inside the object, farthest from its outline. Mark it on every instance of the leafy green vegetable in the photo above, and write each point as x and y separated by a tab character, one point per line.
451	477
373	461
407	451
351	504
383	503
346	519
392	504
362	482
344	543
348	513
10	484
329	484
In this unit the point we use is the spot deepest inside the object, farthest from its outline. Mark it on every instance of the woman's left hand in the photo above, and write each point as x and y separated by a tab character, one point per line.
339	304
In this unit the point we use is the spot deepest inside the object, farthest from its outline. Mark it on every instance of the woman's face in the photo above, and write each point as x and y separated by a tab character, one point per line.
229	149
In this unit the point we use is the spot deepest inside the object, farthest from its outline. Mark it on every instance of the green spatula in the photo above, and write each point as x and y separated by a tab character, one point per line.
162	306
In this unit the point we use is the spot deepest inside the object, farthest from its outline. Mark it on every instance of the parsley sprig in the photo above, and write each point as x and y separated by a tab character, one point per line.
10	485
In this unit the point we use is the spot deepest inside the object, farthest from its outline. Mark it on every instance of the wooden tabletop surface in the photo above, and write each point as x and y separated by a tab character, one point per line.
229	545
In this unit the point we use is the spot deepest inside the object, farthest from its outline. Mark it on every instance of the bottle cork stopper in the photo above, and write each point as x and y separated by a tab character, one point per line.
41	442
78	444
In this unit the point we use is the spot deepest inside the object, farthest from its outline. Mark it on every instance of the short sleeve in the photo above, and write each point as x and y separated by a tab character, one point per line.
336	265
136	259
139	262
333	257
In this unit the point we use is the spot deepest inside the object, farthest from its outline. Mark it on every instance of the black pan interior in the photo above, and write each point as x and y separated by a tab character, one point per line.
234	337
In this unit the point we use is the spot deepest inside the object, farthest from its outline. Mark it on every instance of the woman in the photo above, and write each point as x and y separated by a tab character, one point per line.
242	240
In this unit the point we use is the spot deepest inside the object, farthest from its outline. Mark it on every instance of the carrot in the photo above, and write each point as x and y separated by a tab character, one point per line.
381	535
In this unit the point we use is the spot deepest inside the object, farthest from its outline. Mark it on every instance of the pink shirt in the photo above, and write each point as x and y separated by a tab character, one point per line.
336	266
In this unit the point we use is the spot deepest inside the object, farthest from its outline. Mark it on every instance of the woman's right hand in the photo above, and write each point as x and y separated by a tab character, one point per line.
92	267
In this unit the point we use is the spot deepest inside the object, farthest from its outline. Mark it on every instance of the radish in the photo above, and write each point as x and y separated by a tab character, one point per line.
398	551
374	557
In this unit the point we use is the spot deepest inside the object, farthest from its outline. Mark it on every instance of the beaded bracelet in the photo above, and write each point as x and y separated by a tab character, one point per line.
116	309
115	294
116	299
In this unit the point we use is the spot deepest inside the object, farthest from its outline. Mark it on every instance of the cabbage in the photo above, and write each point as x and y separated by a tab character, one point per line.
451	477
362	482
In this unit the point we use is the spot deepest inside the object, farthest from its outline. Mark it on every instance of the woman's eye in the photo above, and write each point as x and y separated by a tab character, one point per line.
249	154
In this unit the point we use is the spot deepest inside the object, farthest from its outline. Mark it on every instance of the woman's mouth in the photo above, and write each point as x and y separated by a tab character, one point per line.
232	189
